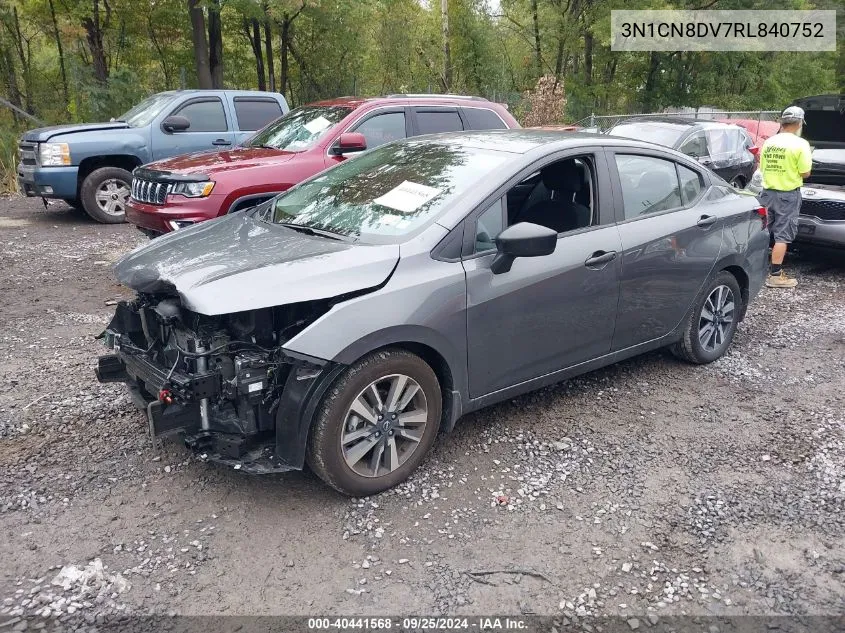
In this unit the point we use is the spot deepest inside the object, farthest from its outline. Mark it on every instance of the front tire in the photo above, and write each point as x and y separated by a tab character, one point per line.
104	194
376	423
712	322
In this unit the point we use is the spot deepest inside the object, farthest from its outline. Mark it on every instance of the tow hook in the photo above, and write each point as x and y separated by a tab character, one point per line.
165	397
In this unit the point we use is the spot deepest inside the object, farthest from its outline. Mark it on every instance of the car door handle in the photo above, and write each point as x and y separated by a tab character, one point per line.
706	220
221	141
600	258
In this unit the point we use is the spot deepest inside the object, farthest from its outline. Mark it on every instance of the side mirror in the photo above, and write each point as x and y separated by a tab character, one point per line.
522	240
349	143
175	123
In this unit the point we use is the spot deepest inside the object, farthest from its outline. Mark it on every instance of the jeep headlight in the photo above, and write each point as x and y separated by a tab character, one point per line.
54	154
193	189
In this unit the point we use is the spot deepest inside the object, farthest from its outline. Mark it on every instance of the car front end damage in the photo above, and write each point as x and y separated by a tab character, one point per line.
224	383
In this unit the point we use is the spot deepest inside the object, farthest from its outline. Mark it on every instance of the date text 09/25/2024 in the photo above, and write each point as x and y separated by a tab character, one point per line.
416	624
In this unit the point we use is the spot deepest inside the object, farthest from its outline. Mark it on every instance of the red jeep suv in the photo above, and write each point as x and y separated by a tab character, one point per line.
169	194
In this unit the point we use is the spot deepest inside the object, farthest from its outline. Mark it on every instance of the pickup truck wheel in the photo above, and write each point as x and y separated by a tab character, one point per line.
104	194
376	423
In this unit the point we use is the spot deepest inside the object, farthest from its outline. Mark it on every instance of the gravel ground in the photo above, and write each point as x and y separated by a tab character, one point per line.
647	489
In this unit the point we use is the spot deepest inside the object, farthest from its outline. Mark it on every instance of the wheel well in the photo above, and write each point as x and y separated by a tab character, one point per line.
249	202
441	369
740	180
742	279
124	161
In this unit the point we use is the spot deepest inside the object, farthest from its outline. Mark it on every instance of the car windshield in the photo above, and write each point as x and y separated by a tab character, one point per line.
299	129
144	113
660	133
385	194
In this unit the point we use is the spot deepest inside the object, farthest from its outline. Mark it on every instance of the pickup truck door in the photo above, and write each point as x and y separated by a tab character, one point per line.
211	128
251	113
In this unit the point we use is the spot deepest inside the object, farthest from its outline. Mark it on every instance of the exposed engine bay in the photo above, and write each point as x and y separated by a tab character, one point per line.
223	382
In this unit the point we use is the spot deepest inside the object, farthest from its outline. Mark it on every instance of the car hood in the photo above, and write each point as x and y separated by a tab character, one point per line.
45	133
211	163
238	262
824	120
828	167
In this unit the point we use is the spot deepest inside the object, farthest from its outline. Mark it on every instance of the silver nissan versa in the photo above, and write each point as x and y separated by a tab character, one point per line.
345	322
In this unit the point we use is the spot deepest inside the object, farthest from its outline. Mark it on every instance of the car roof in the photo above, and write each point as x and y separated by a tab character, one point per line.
818	102
662	121
265	93
677	121
404	99
527	140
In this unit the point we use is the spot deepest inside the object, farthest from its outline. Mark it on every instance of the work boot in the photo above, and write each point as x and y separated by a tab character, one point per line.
780	280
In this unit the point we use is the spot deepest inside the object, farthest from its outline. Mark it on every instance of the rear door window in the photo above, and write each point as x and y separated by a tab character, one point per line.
727	145
695	146
435	121
649	185
254	114
483	119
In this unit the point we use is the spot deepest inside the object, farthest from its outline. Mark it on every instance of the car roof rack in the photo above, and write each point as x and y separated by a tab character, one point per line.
432	95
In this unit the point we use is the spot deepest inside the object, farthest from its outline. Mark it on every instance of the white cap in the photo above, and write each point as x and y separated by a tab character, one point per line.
793	114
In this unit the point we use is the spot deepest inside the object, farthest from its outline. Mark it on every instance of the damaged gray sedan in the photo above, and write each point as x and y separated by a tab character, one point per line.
348	320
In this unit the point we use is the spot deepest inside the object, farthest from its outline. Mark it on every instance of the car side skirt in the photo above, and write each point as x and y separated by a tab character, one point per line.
571	372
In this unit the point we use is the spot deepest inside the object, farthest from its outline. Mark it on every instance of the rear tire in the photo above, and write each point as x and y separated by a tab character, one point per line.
711	324
104	193
376	423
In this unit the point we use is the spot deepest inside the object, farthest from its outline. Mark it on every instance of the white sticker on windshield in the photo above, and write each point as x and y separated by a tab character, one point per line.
407	197
314	126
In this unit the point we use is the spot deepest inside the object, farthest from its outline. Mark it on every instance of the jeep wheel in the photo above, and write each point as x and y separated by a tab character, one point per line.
104	194
376	423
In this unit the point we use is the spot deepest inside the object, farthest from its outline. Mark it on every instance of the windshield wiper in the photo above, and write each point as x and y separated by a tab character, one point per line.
311	231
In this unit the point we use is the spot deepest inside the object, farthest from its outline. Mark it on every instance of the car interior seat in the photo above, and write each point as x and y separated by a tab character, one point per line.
564	179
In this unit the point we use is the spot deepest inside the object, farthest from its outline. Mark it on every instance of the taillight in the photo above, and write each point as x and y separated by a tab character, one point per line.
764	216
755	151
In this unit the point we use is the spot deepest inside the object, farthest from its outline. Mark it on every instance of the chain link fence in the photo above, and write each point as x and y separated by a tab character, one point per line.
606	121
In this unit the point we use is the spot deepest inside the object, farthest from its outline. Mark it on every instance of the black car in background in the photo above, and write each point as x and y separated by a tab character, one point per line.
724	148
822	219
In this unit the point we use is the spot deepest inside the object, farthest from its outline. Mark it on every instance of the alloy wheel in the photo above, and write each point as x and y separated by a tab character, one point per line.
111	196
384	425
717	316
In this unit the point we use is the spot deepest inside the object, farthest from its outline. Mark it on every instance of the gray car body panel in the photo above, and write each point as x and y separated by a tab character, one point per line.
424	302
238	262
479	322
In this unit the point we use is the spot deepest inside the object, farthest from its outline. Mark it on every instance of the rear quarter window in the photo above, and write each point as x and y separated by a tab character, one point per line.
483	119
254	114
